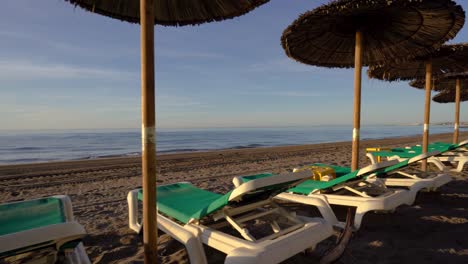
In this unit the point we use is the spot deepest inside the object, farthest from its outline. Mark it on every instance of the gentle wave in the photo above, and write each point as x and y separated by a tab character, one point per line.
28	147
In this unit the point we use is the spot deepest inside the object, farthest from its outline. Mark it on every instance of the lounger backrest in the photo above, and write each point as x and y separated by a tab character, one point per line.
423	156
373	168
463	143
310	186
184	202
268	185
25	215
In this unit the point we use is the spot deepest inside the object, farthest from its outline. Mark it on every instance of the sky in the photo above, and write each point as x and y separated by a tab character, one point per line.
65	68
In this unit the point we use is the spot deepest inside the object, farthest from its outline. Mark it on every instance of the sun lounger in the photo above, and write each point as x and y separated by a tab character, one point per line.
349	189
195	217
402	154
460	147
454	154
394	176
42	230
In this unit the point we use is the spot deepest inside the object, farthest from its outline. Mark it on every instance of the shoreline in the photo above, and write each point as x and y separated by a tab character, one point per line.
164	154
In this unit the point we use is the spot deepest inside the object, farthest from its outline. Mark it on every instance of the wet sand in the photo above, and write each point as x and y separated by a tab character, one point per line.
433	230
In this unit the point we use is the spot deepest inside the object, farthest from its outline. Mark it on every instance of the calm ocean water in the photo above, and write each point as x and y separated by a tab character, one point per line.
41	146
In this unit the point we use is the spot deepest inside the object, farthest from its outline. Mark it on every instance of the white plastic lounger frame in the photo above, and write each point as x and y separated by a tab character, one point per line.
57	234
457	157
415	182
304	232
388	200
434	160
458	160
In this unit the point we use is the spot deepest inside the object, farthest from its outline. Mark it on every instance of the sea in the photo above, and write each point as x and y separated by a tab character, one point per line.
56	145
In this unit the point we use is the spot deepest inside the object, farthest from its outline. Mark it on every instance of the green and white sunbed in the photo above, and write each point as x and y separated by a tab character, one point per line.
41	231
402	154
194	217
348	189
461	147
454	154
394	176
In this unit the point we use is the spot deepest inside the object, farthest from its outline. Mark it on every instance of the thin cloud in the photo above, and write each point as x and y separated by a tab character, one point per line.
284	93
279	65
170	53
30	70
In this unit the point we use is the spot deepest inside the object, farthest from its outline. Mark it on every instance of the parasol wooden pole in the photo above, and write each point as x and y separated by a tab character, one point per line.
457	111
148	131
427	112
357	100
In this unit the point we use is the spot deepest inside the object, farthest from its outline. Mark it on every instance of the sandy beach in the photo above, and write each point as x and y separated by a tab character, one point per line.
433	230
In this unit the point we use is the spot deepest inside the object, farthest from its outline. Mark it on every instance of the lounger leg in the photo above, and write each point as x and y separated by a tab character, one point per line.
438	163
372	158
188	235
461	164
76	255
321	204
358	218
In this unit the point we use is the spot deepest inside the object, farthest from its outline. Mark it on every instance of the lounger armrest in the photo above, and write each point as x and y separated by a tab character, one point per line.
319	202
67	206
423	156
58	234
251	186
132	200
376	166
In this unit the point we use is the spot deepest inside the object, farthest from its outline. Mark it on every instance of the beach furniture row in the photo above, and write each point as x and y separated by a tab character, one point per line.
195	217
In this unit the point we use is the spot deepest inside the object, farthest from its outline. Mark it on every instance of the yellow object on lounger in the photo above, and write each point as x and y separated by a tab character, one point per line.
379	159
319	173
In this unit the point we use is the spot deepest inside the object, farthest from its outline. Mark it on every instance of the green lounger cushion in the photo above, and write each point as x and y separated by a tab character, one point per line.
407	154
343	174
21	216
183	201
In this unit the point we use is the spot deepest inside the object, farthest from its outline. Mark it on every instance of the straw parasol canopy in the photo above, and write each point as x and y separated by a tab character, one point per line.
392	31
439	84
169	13
448	96
172	12
447	59
349	33
454	87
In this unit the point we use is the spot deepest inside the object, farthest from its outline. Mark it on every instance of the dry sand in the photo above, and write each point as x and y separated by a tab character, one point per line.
434	230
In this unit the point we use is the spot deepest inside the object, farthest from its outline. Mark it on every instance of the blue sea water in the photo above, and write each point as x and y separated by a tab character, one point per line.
42	146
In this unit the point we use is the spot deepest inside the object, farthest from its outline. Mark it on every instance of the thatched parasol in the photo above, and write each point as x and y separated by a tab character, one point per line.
448	59
452	84
449	96
439	84
172	12
169	13
349	33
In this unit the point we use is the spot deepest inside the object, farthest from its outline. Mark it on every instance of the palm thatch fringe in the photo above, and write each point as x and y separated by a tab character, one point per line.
447	59
449	96
172	12
440	84
393	30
